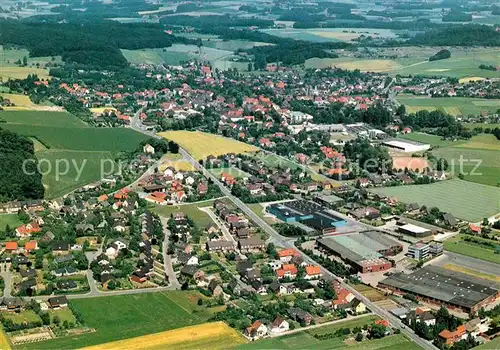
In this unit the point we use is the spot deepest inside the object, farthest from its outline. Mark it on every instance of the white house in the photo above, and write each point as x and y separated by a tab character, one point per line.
179	176
189	180
148	149
279	325
256	330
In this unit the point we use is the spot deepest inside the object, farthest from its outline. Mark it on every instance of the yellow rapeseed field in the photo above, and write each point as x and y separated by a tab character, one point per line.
200	145
210	336
22	72
4	342
19	100
102	109
469	79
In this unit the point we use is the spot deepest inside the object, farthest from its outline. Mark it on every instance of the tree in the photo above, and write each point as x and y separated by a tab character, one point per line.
25	61
359	337
56	320
377	331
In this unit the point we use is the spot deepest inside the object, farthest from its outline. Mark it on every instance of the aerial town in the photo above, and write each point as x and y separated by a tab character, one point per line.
157	198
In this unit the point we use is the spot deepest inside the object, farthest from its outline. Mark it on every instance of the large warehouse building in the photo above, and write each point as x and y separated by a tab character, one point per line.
364	251
441	286
308	213
406	145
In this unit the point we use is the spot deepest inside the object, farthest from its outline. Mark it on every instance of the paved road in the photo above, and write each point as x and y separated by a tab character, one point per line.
281	241
301	329
7	279
167	261
222	227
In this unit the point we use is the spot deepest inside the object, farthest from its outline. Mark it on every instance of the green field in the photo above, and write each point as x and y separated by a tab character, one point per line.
303	340
433	140
83	139
175	54
466	200
42	118
9	219
199	217
481	125
127	316
8	57
457	244
95	165
456	106
461	64
329	34
24	316
62	138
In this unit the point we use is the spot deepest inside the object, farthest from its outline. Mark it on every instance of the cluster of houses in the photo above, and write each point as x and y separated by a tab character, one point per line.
172	187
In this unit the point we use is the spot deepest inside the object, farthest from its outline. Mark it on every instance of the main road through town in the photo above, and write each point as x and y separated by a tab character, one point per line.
283	242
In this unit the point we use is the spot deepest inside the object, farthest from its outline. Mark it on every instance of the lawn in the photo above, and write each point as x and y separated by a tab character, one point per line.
63	314
328	34
123	316
457	244
9	219
200	145
466	200
456	106
4	341
494	344
216	335
42	118
201	218
23	316
76	169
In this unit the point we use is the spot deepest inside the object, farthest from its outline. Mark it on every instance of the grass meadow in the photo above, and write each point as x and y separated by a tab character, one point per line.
191	210
127	316
457	244
466	200
62	136
456	106
9	219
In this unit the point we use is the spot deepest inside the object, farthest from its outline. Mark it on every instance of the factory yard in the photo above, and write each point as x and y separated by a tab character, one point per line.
466	263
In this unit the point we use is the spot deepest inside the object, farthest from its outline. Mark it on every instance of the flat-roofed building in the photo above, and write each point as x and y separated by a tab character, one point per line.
418	251
406	145
441	286
414	230
357	254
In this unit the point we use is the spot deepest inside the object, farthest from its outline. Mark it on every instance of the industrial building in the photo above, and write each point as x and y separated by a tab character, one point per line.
364	251
439	286
406	145
307	213
418	251
414	230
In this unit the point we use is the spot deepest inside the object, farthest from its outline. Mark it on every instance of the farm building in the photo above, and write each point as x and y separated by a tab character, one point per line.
441	286
359	250
308	213
406	145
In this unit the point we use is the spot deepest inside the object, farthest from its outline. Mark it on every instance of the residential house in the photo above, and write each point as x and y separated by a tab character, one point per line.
451	337
256	330
279	325
312	272
299	315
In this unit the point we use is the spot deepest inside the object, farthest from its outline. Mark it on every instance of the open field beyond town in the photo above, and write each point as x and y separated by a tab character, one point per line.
60	136
216	335
128	316
201	145
465	200
480	248
463	63
457	106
